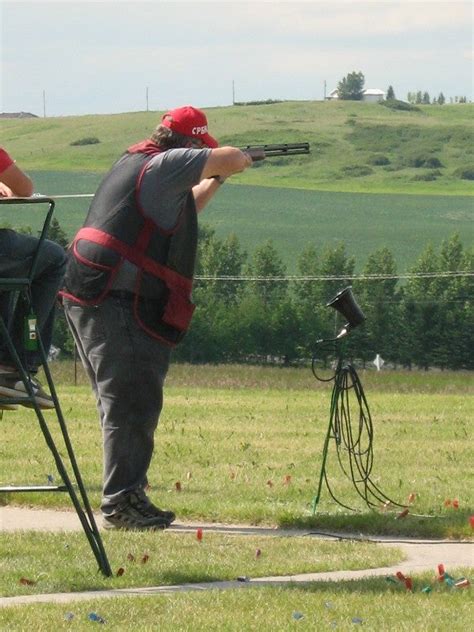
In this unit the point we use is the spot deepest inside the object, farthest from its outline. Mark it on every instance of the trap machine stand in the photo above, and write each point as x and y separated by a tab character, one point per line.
67	467
352	433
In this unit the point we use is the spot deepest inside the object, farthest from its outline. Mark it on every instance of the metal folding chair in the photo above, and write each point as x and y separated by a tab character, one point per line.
68	469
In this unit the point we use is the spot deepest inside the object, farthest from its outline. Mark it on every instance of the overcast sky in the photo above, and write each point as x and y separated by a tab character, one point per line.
100	57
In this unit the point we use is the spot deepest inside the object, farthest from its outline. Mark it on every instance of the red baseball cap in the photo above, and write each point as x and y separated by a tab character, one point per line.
189	121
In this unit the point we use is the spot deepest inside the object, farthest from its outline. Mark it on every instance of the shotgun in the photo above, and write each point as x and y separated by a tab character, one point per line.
259	152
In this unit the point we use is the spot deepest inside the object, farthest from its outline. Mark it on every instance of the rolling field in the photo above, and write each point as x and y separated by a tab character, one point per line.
245	443
294	218
339	192
347	139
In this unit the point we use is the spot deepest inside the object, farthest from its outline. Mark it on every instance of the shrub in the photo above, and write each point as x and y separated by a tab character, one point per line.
357	171
395	104
266	102
429	176
465	173
420	160
378	159
433	162
89	140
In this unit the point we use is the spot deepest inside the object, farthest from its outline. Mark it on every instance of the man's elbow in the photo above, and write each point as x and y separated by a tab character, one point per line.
20	184
25	190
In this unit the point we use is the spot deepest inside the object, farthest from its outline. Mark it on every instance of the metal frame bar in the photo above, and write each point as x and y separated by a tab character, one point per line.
79	500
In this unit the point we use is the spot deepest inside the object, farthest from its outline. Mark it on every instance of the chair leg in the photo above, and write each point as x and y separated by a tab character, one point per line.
81	501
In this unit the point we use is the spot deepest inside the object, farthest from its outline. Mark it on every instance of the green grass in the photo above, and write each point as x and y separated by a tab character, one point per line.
234	435
342	135
294	218
373	604
318	199
246	445
58	562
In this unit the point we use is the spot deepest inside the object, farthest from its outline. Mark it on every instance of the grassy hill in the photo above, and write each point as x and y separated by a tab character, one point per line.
347	140
334	194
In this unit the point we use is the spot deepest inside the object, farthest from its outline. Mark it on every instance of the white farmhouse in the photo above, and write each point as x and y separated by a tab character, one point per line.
373	95
370	95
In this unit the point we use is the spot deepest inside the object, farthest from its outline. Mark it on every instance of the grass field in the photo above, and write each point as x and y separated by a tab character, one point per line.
344	137
334	194
294	218
371	604
63	562
245	444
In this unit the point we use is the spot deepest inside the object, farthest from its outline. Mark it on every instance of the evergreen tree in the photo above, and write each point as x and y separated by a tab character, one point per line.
334	262
267	264
308	265
57	234
265	297
420	309
218	258
441	99
426	98
454	295
428	321
310	300
380	300
285	331
390	93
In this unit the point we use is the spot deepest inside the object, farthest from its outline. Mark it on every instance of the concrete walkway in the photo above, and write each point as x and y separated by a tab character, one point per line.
421	555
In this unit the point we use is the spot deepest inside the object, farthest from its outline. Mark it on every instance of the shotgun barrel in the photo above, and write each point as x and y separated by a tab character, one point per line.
259	152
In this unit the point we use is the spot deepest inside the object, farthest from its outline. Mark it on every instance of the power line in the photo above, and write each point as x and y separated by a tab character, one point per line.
362	277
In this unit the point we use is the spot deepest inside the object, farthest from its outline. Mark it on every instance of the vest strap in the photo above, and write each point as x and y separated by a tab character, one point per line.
136	256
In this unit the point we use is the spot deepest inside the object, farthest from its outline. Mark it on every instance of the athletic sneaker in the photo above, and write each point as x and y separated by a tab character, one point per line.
11	385
136	512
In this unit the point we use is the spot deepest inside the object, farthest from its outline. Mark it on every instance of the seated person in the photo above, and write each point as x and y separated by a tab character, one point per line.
16	254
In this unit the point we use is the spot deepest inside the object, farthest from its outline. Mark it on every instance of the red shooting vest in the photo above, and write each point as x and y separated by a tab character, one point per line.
116	229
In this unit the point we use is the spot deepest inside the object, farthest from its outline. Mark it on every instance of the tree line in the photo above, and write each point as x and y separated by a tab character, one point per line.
250	310
351	88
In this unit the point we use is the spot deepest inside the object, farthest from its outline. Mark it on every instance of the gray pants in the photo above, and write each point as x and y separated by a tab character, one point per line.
16	255
127	369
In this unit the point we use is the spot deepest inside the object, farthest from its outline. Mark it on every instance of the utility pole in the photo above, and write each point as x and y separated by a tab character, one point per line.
325	89
44	103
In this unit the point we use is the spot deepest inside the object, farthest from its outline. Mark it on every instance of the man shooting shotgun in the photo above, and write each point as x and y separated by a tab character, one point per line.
127	291
260	152
127	294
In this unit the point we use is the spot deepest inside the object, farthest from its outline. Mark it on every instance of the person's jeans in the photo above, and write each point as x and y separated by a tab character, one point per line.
16	255
127	370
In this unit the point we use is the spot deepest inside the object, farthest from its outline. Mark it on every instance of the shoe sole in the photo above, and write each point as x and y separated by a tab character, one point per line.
8	407
109	526
11	392
42	404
